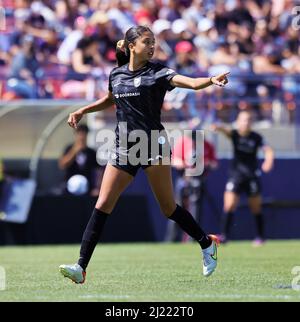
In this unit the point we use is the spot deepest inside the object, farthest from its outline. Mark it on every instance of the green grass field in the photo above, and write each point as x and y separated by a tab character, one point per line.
153	272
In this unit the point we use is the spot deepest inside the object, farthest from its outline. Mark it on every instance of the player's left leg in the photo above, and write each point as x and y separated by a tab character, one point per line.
255	205
160	179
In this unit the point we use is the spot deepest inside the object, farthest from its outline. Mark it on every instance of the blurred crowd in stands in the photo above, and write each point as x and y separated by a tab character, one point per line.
66	49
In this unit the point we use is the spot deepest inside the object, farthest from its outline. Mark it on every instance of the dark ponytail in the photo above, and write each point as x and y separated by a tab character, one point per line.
122	58
122	50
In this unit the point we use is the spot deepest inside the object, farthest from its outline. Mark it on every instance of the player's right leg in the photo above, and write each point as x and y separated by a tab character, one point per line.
255	205
160	180
114	182
231	200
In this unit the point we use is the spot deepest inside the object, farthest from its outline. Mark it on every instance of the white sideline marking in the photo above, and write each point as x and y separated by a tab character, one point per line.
203	296
104	296
198	296
2	279
240	296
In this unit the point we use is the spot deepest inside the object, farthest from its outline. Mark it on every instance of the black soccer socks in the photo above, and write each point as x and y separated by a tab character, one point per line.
259	220
188	224
91	236
226	223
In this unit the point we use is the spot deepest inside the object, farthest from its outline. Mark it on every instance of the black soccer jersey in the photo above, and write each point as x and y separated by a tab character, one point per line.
245	153
139	95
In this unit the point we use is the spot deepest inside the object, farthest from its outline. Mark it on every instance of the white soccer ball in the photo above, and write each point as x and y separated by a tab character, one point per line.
78	185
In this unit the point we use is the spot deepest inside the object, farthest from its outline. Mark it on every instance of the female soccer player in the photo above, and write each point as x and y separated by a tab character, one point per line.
137	87
244	173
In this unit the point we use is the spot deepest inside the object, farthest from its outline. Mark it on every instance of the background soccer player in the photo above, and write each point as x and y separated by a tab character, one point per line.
244	173
79	159
137	87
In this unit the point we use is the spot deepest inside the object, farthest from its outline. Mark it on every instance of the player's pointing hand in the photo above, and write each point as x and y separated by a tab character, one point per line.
220	80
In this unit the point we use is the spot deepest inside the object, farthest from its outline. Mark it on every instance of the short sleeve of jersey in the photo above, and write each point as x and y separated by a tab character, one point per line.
260	141
234	135
163	75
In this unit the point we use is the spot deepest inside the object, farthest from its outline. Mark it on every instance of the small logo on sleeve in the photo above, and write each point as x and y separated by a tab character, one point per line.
169	71
116	83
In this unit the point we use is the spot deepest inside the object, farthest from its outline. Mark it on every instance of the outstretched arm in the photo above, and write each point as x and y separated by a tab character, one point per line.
101	104
222	129
269	159
199	83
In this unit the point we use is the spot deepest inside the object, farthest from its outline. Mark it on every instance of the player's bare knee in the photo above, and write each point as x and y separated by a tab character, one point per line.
168	209
105	204
229	208
255	210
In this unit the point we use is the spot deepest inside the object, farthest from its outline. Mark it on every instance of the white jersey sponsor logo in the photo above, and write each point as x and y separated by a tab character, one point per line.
127	95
